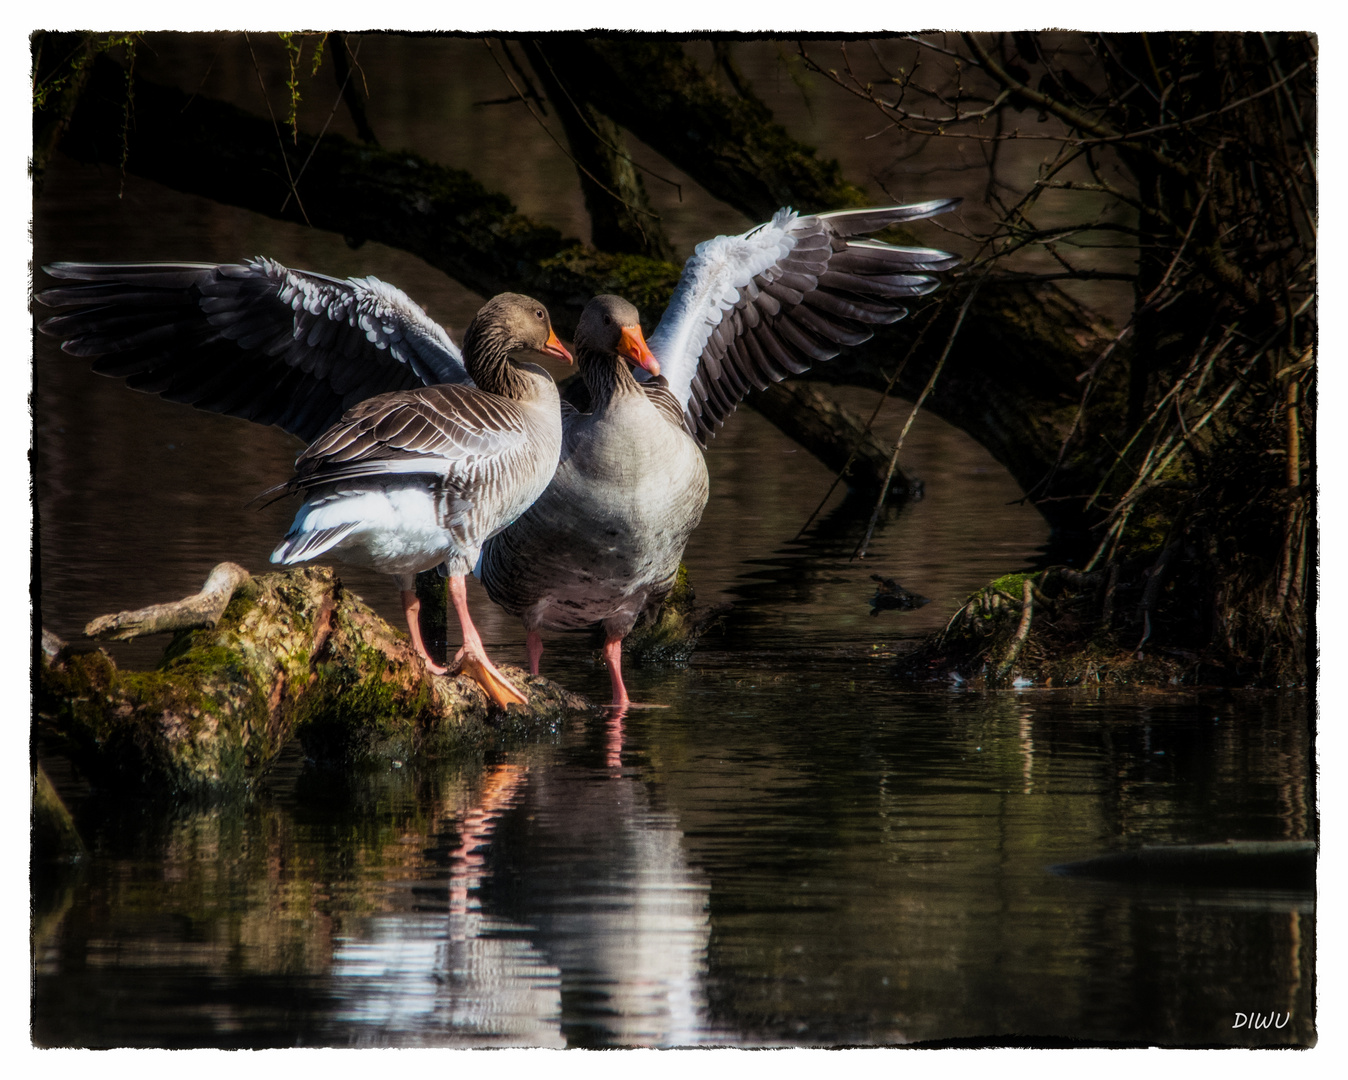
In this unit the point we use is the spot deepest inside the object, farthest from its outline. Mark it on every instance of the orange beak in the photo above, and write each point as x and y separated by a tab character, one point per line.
554	347
633	346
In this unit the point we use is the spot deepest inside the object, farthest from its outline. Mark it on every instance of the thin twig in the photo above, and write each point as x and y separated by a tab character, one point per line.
860	552
280	141
341	94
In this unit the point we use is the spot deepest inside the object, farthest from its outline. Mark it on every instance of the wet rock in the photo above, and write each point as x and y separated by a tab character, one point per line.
890	595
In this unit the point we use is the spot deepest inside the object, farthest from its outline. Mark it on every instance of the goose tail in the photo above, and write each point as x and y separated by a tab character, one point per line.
302	545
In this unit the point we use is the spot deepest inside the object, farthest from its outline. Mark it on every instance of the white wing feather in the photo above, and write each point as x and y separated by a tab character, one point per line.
710	286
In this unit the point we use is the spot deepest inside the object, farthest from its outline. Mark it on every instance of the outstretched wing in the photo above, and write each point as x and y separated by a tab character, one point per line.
256	339
755	308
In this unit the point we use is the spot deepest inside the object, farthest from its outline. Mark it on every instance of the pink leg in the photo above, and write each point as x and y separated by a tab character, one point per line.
412	610
613	657
534	646
472	658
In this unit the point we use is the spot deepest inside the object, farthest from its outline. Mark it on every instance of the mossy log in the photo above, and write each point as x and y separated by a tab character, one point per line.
295	655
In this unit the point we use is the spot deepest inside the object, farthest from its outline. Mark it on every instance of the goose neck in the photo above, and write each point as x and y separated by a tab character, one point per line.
486	355
606	375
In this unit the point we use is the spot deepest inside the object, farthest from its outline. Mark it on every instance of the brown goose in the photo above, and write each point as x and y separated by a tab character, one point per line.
411	479
604	541
274	345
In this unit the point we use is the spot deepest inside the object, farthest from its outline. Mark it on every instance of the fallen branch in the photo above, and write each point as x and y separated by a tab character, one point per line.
201	611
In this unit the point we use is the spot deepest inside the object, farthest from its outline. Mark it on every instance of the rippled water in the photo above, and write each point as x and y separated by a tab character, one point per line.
781	857
793	851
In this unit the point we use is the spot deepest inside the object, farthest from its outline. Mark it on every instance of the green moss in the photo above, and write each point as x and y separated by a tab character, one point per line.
646	282
168	729
1011	584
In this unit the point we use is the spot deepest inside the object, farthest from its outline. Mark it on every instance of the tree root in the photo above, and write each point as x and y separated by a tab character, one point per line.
1058	632
1022	631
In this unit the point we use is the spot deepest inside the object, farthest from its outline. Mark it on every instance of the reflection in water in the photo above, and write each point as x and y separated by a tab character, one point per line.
593	931
456	974
602	880
822	861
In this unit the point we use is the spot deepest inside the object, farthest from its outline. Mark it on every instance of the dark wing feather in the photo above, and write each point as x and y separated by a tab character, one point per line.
255	340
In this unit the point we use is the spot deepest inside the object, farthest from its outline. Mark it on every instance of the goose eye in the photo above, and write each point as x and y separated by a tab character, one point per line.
608	321
540	315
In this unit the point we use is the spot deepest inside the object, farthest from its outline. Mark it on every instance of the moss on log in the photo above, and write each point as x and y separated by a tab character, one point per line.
295	655
669	631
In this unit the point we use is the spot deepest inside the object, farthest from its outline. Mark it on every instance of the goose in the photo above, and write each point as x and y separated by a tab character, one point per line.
409	480
402	480
604	541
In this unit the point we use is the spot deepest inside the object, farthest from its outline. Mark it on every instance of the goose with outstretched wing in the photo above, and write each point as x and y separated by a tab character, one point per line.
418	478
602	544
420	452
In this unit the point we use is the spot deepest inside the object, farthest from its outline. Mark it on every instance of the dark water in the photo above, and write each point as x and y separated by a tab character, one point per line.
792	852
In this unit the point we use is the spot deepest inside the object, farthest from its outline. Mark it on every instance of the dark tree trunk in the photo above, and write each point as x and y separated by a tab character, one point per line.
730	145
621	218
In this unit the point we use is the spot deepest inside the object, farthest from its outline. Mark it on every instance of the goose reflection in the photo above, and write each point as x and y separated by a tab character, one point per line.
446	974
565	914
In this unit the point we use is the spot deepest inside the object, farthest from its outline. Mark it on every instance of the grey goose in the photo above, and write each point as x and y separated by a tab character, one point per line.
604	541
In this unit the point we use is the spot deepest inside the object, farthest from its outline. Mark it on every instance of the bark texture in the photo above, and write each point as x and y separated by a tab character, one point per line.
621	217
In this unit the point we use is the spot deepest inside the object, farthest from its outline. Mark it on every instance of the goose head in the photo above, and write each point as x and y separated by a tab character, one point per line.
513	322
610	326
